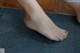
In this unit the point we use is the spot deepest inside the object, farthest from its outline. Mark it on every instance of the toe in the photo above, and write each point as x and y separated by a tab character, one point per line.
54	38
63	35
66	33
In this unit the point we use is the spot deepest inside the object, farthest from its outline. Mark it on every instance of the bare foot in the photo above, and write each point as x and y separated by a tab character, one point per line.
78	16
40	22
45	26
76	7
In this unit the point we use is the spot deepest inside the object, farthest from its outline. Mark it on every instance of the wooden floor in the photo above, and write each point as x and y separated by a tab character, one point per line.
56	6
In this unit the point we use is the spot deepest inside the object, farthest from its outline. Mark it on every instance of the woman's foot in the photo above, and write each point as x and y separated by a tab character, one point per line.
45	26
76	7
40	22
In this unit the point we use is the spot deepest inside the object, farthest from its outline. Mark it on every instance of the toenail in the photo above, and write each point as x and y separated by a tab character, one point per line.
66	31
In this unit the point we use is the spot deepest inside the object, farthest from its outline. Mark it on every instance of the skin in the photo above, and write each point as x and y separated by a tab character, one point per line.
76	7
36	19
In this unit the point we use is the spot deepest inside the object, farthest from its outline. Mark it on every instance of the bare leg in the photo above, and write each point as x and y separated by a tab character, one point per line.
76	7
37	20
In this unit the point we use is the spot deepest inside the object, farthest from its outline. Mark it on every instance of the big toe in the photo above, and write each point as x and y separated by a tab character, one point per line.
59	35
63	35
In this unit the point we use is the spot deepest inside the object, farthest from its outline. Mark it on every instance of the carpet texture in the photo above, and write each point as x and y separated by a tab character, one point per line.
15	37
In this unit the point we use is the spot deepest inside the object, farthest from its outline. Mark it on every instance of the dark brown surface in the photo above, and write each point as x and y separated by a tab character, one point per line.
47	5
